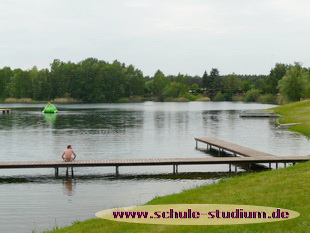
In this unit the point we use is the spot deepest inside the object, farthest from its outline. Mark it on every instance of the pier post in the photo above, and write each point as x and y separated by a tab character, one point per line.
235	155
276	165
56	171
284	164
269	165
236	168
176	169
196	144
116	170
67	172
72	174
173	169
230	167
250	165
219	151
294	163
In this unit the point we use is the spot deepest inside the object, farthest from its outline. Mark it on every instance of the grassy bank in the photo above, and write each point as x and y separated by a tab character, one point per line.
298	112
31	101
285	188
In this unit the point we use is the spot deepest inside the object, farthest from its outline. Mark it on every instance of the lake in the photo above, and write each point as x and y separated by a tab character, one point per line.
34	200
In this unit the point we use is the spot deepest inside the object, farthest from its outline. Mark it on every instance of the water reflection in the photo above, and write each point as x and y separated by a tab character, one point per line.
50	118
69	186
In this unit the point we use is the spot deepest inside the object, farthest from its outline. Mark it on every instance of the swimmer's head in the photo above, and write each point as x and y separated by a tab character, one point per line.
69	147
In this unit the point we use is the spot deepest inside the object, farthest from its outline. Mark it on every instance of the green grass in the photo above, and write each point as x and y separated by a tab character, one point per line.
284	188
295	113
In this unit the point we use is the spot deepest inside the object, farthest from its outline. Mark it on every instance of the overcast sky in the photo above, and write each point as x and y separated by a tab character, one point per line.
187	36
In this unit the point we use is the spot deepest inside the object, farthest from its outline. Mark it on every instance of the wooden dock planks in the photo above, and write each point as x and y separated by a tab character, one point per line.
234	148
251	156
152	162
5	110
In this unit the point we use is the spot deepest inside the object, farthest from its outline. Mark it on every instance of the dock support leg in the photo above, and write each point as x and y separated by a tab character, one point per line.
250	165
176	169
230	167
56	171
196	144
236	168
116	171
219	151
294	163
72	174
67	172
276	165
235	155
269	165
173	169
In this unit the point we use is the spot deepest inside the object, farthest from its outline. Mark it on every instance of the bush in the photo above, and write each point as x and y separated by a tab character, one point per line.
18	100
219	97
203	98
178	99
267	99
132	99
251	96
237	98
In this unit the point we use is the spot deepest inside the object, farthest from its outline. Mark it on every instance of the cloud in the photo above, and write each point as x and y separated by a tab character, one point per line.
174	35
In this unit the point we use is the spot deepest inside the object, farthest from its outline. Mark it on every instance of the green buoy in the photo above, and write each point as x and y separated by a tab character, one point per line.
50	108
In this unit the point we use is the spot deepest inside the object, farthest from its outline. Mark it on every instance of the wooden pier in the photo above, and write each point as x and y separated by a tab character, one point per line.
233	148
5	110
256	113
249	157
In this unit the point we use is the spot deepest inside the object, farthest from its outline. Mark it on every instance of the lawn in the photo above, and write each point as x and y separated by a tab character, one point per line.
295	113
286	188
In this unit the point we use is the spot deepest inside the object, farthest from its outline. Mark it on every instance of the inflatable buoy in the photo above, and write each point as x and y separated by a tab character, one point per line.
50	108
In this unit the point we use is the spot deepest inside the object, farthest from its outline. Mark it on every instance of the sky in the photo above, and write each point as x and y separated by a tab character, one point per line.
175	36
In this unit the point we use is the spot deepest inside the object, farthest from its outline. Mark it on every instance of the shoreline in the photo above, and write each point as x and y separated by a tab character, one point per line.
297	114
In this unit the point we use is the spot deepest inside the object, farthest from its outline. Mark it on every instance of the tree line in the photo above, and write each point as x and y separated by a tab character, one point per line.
93	80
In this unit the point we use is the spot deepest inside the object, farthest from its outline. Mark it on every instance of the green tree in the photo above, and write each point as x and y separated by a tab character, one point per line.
175	89
276	74
20	84
295	83
217	83
205	80
232	84
159	83
134	81
5	76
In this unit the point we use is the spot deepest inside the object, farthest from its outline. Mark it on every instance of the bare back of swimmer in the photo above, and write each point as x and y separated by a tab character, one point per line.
67	154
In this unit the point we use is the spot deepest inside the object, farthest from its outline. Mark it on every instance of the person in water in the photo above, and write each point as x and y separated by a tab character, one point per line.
67	154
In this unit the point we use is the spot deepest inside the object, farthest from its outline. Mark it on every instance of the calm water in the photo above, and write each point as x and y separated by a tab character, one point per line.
109	131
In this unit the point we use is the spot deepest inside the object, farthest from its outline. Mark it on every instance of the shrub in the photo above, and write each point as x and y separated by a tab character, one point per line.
237	98
251	96
219	97
267	99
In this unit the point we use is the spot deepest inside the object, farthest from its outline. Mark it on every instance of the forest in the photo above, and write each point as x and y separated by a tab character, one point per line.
93	80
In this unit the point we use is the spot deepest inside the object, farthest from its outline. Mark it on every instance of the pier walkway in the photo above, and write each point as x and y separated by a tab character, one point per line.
251	157
233	148
5	110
